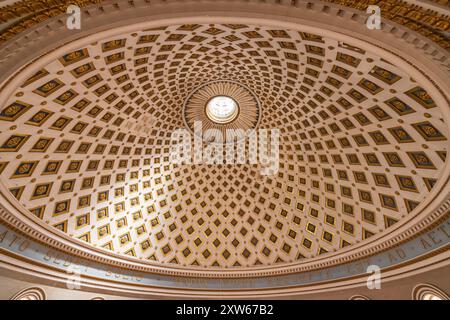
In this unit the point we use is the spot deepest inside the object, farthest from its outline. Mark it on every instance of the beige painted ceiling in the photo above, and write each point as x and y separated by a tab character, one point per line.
84	145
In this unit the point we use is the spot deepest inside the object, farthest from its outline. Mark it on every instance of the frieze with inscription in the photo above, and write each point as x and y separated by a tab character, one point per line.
13	244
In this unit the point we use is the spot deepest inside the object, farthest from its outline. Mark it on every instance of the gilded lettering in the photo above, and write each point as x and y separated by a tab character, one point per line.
442	228
400	253
2	236
392	258
431	236
48	256
56	260
13	240
425	244
24	246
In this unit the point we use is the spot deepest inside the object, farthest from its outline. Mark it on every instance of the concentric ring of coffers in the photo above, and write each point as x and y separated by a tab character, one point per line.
83	146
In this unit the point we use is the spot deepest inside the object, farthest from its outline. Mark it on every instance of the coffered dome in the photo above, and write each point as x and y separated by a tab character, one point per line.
85	144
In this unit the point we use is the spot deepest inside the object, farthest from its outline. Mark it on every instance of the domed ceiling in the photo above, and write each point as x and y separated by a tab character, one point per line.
85	146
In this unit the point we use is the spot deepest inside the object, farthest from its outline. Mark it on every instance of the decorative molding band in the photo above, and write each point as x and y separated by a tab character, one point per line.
387	249
425	19
430	215
14	247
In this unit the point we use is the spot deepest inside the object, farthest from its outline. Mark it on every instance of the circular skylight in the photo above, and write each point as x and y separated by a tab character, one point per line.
222	109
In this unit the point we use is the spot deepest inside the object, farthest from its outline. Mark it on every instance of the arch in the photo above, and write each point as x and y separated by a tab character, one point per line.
33	293
428	292
359	297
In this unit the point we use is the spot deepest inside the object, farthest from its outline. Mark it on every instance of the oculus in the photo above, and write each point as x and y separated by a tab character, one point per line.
222	109
222	105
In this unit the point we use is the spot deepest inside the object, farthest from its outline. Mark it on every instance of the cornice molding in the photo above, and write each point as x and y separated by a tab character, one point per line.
45	276
79	249
428	18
